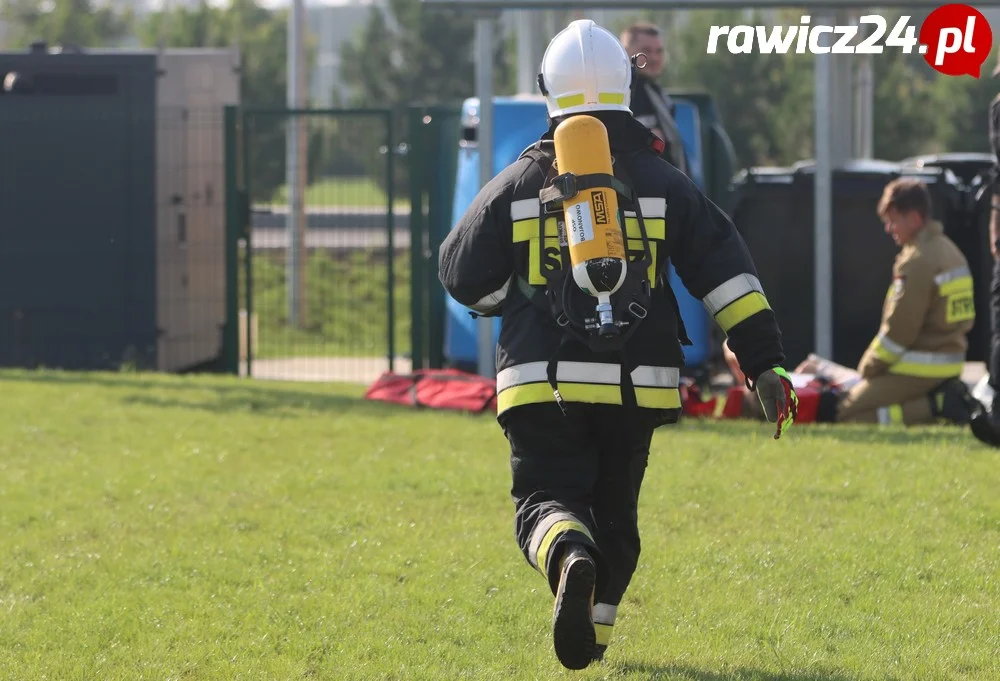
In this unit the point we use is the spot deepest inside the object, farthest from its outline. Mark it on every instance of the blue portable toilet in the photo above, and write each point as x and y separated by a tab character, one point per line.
517	123
697	323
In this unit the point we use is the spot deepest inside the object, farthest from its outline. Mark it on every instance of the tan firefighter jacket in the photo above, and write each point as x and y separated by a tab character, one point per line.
927	313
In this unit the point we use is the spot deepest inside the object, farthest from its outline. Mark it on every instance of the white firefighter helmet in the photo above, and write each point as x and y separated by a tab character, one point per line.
585	68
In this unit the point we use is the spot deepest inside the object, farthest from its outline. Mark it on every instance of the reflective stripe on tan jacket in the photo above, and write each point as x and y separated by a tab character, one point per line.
927	313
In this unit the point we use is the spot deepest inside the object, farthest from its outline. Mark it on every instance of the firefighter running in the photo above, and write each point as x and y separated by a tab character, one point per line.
578	401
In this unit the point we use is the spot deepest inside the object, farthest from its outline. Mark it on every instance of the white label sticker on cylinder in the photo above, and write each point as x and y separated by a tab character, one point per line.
580	226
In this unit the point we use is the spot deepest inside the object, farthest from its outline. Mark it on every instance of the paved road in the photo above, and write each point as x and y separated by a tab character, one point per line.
340	238
331	217
333	227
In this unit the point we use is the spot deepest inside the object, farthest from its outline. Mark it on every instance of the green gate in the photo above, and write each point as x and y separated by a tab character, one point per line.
325	301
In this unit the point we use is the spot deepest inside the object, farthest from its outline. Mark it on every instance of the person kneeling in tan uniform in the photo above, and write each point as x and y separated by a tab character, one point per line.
911	372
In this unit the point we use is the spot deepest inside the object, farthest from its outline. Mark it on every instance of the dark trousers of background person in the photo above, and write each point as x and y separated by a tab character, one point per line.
994	358
587	467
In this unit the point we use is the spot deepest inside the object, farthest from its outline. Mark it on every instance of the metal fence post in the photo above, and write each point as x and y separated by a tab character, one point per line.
446	124
247	126
416	160
390	238
235	217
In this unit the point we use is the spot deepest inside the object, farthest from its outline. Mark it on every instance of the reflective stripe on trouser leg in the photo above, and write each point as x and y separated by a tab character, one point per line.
604	621
891	415
913	412
547	531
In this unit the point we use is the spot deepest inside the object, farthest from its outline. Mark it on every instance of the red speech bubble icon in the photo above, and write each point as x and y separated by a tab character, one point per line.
955	40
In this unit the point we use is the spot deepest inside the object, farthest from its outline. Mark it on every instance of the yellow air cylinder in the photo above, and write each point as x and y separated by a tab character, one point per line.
596	242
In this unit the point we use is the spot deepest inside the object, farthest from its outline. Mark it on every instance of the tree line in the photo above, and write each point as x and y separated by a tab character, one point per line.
408	54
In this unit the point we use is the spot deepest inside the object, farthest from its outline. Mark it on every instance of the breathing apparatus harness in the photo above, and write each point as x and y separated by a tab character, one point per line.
560	296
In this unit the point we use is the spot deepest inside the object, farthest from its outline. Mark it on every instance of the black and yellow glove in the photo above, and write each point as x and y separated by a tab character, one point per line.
778	398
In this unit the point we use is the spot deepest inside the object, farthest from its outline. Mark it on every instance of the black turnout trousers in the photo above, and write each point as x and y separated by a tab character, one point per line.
589	465
994	358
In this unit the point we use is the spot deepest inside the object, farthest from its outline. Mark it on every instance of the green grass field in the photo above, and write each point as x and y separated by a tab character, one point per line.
215	528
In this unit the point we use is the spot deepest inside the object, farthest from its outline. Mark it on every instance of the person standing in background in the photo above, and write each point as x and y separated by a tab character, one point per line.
650	105
991	434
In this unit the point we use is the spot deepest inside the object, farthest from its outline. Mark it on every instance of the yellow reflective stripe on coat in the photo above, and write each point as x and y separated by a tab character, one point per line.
548	255
957	288
535	393
524	213
886	349
953	281
929	364
960	285
736	300
527	229
589	382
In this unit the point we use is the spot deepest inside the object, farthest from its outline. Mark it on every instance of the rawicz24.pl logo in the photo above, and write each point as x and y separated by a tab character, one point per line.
954	39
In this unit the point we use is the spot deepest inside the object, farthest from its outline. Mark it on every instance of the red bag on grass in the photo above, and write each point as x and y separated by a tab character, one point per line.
436	389
732	408
808	404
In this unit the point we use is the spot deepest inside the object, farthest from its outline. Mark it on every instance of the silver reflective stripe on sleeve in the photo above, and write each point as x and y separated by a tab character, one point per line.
731	290
951	275
492	300
890	345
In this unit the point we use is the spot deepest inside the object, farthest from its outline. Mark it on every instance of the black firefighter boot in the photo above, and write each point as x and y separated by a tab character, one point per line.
573	613
986	428
953	401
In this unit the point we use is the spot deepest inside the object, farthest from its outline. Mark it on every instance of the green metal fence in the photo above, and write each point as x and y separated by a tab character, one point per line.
331	304
369	298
